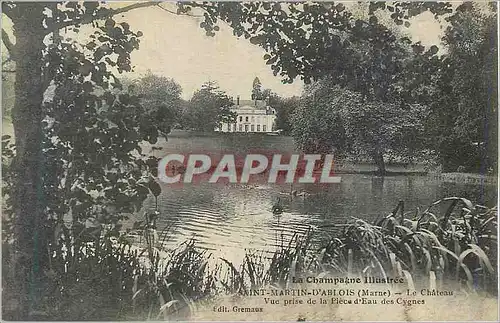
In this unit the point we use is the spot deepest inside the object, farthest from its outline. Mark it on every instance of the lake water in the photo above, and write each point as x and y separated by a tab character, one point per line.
229	219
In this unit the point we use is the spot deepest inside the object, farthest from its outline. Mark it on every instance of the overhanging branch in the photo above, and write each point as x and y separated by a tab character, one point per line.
165	9
86	19
175	13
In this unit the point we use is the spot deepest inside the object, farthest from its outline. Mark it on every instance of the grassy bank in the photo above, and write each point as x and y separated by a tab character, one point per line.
181	141
467	178
451	244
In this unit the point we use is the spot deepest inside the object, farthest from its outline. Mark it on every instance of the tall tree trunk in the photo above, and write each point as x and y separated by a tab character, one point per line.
378	158
30	245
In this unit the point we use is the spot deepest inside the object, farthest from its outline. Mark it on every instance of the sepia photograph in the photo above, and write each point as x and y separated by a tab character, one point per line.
249	161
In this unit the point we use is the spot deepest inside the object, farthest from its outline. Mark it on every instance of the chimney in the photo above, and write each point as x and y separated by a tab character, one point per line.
238	100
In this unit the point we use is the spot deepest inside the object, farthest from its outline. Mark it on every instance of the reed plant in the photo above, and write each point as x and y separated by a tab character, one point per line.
96	275
452	242
100	276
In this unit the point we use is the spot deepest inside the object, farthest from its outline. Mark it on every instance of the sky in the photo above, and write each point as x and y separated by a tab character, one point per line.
175	46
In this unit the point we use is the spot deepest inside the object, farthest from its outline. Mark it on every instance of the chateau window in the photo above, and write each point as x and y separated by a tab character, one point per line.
241	118
264	128
246	127
258	127
253	119
246	119
252	128
241	127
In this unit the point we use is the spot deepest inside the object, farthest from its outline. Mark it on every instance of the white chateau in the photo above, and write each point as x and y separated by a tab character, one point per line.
253	116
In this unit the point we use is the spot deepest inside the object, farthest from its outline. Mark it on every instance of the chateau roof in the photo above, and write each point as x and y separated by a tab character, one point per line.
254	104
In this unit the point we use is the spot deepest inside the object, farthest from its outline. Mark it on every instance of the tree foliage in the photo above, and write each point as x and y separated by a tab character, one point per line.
77	153
257	90
363	54
331	118
317	123
311	40
161	97
209	108
284	108
92	132
463	125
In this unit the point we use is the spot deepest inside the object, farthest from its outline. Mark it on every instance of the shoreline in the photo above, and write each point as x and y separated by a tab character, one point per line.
467	178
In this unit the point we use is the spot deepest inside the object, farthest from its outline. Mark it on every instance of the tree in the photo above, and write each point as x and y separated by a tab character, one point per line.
316	126
311	40
325	41
161	97
284	108
463	126
209	108
257	90
93	171
314	40
331	118
38	64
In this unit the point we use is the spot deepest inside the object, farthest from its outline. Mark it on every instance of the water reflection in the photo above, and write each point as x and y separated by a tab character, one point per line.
228	219
377	185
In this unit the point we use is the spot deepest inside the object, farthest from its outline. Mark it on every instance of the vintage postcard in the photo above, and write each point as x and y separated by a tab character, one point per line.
249	161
